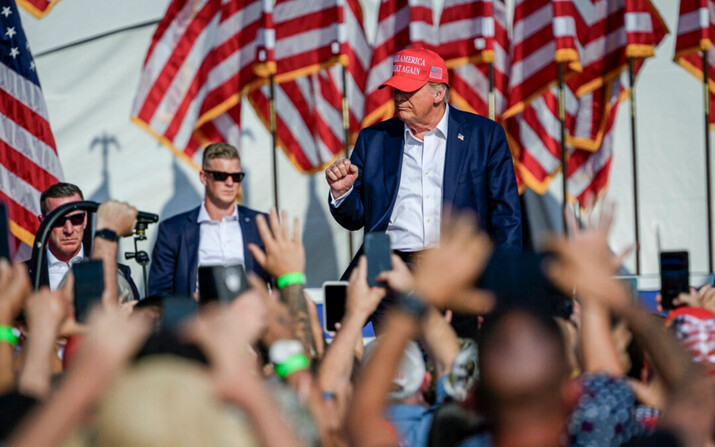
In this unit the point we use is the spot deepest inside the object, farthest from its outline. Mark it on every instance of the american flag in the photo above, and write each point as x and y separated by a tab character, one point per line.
38	8
309	122
28	156
696	32
605	37
400	24
473	33
200	62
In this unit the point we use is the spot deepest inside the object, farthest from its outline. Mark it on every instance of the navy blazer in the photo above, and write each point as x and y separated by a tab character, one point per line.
478	176
175	258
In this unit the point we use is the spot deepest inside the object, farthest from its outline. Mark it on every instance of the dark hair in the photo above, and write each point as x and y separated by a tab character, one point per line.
57	191
219	150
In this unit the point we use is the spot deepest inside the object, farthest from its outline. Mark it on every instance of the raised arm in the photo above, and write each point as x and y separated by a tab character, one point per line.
284	259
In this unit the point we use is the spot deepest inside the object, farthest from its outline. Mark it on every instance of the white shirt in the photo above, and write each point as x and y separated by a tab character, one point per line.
220	241
417	215
57	269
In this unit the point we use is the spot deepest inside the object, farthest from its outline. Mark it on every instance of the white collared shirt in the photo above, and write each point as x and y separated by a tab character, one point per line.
220	241
57	269
417	215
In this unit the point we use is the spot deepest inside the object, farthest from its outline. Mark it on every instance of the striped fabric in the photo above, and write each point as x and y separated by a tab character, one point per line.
473	33
38	8
400	24
606	34
199	63
696	30
28	156
309	121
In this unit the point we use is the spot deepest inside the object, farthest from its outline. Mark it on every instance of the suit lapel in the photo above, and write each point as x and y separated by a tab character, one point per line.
191	236
456	151
248	233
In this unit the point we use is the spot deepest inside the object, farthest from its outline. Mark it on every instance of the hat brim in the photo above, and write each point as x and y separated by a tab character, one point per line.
404	84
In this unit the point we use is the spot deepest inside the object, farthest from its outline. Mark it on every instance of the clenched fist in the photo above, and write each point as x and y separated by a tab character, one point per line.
341	175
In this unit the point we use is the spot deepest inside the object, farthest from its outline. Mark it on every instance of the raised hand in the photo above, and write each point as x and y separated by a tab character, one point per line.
445	276
340	176
119	217
284	253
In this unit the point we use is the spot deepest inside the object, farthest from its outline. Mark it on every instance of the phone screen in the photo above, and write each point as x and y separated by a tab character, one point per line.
378	253
176	309
334	297
674	276
88	287
4	232
518	280
221	283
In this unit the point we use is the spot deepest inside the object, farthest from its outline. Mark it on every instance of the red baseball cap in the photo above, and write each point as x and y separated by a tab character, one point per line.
414	67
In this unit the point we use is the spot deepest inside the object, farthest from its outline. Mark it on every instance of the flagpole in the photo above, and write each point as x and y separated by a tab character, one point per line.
632	94
562	120
274	137
346	148
706	91
492	102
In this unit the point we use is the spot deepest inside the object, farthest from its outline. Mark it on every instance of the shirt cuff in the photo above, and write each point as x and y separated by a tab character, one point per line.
337	202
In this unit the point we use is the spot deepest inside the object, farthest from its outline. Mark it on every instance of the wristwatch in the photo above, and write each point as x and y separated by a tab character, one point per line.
107	234
412	305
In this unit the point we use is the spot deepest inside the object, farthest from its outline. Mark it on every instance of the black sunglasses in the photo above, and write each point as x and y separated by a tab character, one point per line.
75	219
222	176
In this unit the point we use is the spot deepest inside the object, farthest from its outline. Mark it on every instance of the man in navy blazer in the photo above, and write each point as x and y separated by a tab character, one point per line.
215	233
405	171
371	190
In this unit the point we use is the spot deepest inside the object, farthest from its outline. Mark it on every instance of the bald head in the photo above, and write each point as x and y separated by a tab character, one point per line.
523	365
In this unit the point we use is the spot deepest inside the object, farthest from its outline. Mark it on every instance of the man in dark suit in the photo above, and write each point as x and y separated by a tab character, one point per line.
64	246
405	171
215	233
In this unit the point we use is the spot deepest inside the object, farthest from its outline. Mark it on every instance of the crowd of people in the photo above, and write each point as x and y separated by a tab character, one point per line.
453	364
257	371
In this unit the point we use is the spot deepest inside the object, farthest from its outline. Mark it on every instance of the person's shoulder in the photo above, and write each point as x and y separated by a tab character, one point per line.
179	219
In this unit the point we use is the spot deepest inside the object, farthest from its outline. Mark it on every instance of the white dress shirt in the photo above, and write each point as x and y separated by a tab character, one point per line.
220	241
57	269
417	215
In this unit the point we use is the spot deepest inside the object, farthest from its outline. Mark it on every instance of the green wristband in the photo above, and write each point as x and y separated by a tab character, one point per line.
290	279
296	362
7	335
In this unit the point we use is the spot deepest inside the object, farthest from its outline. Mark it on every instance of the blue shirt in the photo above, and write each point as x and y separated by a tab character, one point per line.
413	422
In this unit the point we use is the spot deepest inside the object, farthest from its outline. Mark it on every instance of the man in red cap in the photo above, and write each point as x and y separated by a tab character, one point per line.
404	171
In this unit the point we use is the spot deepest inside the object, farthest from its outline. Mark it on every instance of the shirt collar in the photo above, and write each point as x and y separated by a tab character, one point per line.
52	259
440	129
204	215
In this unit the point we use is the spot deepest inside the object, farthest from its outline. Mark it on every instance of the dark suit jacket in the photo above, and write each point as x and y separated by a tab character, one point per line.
478	176
45	275
176	252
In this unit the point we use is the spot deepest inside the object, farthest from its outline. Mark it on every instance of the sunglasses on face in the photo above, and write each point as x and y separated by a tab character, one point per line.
75	219
222	176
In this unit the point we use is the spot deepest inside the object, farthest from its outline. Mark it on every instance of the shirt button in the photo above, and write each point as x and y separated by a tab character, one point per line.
427	196
426	172
428	220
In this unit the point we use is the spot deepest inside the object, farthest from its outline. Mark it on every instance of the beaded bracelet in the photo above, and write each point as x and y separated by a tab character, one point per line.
7	335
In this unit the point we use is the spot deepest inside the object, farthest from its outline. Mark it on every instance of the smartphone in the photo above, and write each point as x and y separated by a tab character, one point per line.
379	257
518	280
221	283
176	309
335	295
674	276
88	287
4	232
